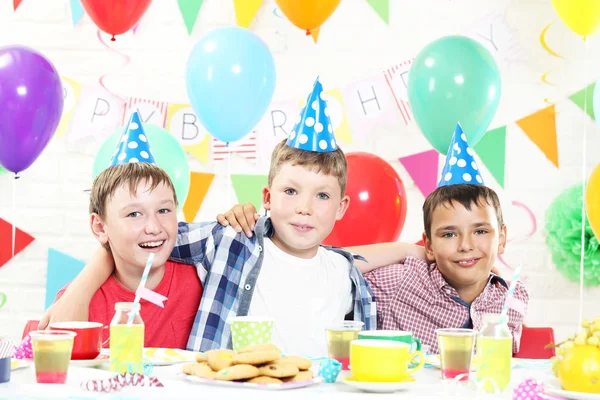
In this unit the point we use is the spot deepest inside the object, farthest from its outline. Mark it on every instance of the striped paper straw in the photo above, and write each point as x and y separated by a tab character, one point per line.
142	284
7	349
511	290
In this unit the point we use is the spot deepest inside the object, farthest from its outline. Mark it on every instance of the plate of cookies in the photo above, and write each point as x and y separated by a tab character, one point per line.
259	366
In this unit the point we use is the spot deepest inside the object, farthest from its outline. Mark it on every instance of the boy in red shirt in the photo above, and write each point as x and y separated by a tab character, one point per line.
133	209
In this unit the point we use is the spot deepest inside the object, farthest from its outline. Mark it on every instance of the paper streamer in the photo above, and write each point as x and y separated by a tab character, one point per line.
552	53
126	58
531	232
118	382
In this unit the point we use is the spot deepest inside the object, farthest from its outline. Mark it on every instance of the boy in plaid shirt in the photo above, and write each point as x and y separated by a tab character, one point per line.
454	286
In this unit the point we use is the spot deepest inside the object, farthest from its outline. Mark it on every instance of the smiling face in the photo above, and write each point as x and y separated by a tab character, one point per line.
133	212
465	242
139	223
304	206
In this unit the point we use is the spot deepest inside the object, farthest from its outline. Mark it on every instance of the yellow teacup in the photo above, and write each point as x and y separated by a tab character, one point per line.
382	360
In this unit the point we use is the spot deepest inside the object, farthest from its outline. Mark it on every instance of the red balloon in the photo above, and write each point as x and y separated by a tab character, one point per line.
115	16
377	203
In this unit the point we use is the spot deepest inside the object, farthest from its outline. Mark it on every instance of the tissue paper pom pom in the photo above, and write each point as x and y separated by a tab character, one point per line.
563	237
24	350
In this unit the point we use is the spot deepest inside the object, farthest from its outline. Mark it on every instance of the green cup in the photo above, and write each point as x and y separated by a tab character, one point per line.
397	336
247	331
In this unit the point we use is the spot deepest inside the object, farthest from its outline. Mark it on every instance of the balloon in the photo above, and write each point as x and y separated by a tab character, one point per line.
596	102
454	79
592	201
581	16
115	16
230	79
307	14
377	206
167	152
31	104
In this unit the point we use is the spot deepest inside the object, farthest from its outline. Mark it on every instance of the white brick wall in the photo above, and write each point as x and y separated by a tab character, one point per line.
355	44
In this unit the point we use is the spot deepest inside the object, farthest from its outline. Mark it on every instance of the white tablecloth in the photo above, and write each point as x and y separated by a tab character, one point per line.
428	385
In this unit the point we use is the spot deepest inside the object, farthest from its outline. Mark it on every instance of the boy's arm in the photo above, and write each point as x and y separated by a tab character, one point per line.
74	303
382	254
241	217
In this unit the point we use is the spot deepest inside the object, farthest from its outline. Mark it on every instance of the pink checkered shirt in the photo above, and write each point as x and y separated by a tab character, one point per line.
415	297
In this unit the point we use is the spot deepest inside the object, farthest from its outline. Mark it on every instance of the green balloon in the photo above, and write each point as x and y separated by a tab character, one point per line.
168	155
454	79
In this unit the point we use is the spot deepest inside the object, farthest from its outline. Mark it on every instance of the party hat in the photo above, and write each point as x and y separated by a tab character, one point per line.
460	164
134	146
313	131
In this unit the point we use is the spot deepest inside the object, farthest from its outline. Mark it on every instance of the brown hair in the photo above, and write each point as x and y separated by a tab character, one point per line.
465	194
106	184
331	163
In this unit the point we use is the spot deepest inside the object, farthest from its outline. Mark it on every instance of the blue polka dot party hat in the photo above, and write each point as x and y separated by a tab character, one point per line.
460	164
134	145
313	131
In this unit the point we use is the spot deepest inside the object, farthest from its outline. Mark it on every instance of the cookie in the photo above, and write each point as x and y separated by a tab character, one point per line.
259	347
187	368
303	364
300	377
265	380
220	359
237	373
201	357
257	357
278	370
200	370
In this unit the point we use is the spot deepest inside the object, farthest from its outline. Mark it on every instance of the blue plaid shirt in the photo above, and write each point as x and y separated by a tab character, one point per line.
228	264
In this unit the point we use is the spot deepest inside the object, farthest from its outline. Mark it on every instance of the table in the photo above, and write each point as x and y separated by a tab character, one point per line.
428	386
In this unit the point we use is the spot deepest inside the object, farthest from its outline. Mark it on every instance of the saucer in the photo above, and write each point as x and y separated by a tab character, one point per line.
379	387
94	362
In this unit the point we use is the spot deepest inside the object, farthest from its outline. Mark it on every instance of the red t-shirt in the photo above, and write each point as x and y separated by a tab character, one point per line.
167	327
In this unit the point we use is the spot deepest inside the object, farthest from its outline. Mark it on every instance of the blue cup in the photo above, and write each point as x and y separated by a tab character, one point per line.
5	369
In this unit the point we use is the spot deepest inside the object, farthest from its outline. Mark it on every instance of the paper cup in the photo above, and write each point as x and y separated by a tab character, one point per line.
247	331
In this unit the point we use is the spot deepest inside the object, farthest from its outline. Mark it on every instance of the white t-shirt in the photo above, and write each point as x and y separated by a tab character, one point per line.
303	296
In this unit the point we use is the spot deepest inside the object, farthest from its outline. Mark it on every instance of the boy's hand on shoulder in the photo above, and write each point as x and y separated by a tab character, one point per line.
241	217
63	310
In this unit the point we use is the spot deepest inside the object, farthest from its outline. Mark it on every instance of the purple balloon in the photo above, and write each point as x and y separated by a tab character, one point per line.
31	105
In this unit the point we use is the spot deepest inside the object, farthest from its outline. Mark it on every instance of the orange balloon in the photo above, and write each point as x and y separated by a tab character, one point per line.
308	14
592	201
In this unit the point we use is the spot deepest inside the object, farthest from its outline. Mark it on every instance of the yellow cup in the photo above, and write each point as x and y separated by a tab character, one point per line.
382	360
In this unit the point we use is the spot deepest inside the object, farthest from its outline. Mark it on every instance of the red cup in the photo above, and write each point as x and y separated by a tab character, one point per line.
88	342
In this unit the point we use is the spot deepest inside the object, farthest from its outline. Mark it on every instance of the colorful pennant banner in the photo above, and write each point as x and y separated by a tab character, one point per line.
77	11
248	188
585	99
199	185
245	11
62	269
22	240
423	169
491	149
382	8
540	127
189	11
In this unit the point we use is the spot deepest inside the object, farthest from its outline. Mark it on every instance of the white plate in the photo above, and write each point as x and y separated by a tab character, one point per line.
378	387
101	359
260	386
553	387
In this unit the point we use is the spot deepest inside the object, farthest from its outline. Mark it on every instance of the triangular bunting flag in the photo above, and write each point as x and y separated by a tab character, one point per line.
62	269
22	240
245	10
76	11
585	99
189	11
201	150
423	169
315	34
492	151
540	127
382	8
2	171
248	188
135	28
16	4
199	185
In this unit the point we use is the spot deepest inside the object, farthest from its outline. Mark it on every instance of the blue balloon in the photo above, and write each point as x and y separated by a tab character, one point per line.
230	79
